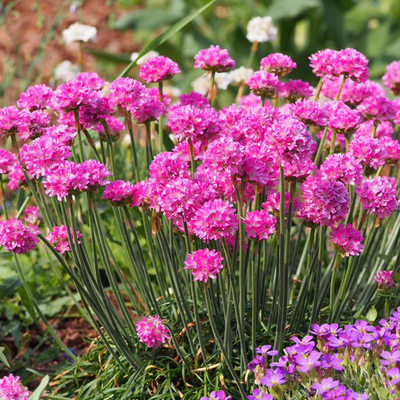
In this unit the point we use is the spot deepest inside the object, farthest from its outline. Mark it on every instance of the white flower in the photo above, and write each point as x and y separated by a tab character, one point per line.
222	80
261	29
240	75
79	33
172	91
203	82
65	71
144	58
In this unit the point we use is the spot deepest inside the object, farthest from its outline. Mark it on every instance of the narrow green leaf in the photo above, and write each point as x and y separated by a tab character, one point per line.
283	9
9	287
152	44
40	389
3	358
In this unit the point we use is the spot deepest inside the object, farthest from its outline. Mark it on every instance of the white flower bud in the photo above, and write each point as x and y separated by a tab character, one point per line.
65	71
261	29
79	33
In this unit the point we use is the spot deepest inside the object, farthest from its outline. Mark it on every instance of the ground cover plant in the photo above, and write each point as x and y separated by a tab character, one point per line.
192	230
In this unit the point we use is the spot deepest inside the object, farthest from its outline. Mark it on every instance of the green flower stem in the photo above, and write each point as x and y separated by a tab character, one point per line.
321	146
339	92
160	120
149	150
318	89
333	141
128	123
318	271
333	279
78	128
3	197
110	149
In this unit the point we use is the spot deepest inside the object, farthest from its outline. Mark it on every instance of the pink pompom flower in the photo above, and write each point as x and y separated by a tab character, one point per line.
151	331
264	84
11	388
259	224
194	99
295	89
342	167
14	121
348	240
124	91
58	237
368	150
16	237
391	79
322	63
377	108
205	264
214	59
157	69
96	172
385	280
278	64
311	112
37	97
7	161
342	118
32	215
378	196
119	192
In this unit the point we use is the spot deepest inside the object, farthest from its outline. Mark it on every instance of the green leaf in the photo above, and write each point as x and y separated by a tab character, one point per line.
105	55
40	389
371	314
9	286
152	44
3	358
282	9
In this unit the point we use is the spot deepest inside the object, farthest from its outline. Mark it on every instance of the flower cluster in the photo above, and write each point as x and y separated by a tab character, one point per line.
16	237
58	237
12	389
151	331
205	264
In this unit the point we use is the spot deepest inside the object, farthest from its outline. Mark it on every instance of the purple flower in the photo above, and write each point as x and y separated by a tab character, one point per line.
273	378
218	395
325	385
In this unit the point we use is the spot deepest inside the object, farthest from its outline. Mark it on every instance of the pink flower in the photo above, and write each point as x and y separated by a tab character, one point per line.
214	59
147	107
342	118
16	237
322	62
42	154
115	127
279	64
124	92
273	203
378	196
251	100
259	224
96	172
91	80
157	69
167	166
353	64
119	192
38	122
324	202
58	238
384	129
392	147
205	264
16	176
368	151
14	121
311	112
342	167
264	84
63	134
348	240
32	215
392	77
37	97
214	219
385	280
295	89
7	161
151	331
12	389
194	99
378	108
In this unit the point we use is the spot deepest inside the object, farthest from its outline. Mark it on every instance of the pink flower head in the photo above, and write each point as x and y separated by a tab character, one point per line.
147	107
42	154
259	224
368	151
32	215
273	203
119	192
322	63
385	280
166	166
324	202
124	92
342	118
90	80
377	108
205	264
63	134
391	79
378	196
157	69
38	122
11	388
214	219
96	172
95	112
342	167
352	64
194	99
151	331
14	121
115	127
37	97
16	237
392	147
384	129
251	100
7	161
58	238
279	64
195	123
348	240
214	59
295	89
311	112
16	176
264	84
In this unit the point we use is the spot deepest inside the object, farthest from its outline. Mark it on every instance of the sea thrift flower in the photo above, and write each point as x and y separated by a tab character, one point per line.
79	33
124	92
391	79
259	224
322	63
351	63
377	108
342	167
63	134
146	108
58	238
295	89
16	237
32	215
205	264
96	172
384	129
368	151
16	176
38	122
279	64
151	331
378	196
311	112
273	203
36	97
119	192
214	59
261	29
12	389
385	280
342	118
71	95
7	161
194	99
264	84
214	219
324	202
157	69
14	121
347	240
